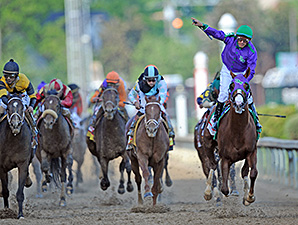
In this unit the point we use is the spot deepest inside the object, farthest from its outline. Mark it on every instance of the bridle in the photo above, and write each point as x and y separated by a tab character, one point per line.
20	117
114	104
152	124
239	97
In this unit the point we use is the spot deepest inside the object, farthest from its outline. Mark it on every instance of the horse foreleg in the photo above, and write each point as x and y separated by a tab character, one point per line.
225	168
22	174
104	183
5	191
121	189
143	162
138	178
69	162
62	201
129	186
157	186
208	190
252	162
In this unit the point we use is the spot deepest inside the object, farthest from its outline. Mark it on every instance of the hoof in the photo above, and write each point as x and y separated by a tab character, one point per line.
62	202
21	216
69	190
148	194
250	199
234	193
28	182
129	187
169	182
121	191
39	196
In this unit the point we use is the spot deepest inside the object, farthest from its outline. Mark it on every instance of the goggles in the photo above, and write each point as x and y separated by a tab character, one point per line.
151	79
11	76
241	39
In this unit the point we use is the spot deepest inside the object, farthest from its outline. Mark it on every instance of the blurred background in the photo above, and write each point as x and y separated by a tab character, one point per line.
80	41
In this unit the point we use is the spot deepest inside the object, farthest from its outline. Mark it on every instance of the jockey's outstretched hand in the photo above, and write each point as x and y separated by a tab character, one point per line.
196	22
30	109
137	105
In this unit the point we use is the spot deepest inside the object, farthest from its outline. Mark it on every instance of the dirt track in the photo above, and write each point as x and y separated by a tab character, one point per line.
182	203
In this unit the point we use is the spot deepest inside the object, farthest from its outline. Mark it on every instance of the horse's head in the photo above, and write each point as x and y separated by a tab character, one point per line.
52	108
15	113
152	115
110	101
239	91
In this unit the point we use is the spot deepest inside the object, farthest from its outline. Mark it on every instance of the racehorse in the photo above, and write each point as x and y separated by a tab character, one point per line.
54	144
110	141
15	149
236	138
152	144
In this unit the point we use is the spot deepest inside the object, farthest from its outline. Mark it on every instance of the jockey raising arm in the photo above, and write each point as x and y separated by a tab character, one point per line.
14	82
238	55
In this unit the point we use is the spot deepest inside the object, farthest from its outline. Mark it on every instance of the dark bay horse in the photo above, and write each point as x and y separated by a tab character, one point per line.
110	140
54	144
237	139
15	149
152	144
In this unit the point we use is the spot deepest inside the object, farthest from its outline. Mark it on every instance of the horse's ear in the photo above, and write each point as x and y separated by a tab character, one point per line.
232	74
146	98
247	72
158	99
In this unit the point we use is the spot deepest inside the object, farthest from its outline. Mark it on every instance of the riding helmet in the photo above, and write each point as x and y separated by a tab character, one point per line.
11	67
151	71
113	77
56	84
244	30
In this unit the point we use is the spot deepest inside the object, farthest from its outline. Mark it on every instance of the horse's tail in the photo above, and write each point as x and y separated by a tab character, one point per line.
56	171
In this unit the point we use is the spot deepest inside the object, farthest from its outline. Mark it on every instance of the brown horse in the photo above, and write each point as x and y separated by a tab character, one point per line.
15	149
110	140
54	143
237	140
152	144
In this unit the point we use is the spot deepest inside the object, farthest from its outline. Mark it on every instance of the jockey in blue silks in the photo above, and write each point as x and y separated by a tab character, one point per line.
150	83
238	54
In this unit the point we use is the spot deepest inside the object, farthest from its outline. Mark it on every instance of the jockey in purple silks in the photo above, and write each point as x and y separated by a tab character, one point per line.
238	54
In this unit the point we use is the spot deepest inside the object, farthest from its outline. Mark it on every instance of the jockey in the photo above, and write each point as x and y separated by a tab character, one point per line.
14	82
113	80
63	92
239	54
77	104
150	83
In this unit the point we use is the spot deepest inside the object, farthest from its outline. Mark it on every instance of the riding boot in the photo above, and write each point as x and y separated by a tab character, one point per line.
96	114
171	132
253	108
217	113
31	122
130	133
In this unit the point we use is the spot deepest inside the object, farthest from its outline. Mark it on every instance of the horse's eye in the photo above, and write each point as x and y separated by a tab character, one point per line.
231	88
246	86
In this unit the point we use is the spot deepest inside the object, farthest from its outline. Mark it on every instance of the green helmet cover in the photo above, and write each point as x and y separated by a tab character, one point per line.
245	30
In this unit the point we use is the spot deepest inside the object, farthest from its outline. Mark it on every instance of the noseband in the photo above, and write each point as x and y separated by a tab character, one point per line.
114	104
152	124
239	93
20	117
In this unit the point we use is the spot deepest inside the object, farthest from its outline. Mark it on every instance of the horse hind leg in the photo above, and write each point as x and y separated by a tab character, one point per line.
69	186
233	191
168	181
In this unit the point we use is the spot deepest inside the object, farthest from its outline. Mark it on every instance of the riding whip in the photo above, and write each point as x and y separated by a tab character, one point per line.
280	116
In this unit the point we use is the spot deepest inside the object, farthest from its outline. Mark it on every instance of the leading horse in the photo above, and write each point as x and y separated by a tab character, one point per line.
237	139
15	149
152	144
110	141
54	143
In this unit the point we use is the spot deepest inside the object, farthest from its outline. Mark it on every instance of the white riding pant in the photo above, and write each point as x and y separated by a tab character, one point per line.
225	81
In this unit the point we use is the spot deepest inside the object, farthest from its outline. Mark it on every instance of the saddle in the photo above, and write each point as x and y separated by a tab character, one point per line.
226	108
137	126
